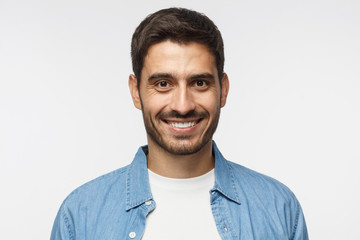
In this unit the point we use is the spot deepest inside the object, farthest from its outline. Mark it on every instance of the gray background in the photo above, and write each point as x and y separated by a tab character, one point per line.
66	114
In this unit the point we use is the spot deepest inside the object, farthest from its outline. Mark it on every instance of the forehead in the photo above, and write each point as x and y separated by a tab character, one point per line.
179	59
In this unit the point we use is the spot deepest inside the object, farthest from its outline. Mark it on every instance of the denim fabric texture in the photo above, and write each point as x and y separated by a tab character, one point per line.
245	204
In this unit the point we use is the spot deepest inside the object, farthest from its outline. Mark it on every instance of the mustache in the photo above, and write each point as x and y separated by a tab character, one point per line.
190	114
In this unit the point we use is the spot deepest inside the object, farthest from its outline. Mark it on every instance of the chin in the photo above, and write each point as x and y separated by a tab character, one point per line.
181	146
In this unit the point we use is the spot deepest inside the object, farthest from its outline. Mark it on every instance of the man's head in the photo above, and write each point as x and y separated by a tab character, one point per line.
178	25
179	82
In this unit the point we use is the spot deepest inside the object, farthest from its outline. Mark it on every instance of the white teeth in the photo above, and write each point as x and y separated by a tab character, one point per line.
182	124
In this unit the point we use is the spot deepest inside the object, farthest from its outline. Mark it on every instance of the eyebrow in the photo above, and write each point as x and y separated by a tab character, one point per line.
157	76
206	76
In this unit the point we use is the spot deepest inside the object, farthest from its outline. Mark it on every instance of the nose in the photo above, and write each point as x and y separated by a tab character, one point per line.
182	100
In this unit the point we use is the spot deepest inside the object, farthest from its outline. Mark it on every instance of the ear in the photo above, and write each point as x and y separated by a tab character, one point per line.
224	89
134	91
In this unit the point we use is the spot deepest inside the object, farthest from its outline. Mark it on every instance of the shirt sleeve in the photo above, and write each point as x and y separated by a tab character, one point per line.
300	229
63	226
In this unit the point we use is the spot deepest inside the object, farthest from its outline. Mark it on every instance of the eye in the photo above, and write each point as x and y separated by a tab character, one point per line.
162	84
200	83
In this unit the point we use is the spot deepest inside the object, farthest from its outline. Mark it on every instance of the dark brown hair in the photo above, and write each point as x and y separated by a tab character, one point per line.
179	25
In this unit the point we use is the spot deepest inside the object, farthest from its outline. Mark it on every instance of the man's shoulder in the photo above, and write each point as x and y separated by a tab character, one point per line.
108	185
250	181
93	206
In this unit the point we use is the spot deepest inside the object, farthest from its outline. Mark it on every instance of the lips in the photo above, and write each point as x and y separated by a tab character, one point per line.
182	124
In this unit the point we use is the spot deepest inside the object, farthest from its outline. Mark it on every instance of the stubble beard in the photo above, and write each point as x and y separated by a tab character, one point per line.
176	146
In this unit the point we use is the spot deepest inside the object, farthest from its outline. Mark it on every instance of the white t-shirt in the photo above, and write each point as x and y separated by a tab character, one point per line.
182	209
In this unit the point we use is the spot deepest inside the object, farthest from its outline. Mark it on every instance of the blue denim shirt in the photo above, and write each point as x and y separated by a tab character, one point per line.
245	204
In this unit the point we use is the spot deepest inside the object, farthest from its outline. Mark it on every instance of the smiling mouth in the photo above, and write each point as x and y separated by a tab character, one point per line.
185	124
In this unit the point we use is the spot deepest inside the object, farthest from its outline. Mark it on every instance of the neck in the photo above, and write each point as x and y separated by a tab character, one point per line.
170	165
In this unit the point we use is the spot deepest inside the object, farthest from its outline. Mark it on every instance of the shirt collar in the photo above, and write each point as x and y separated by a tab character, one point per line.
224	177
138	187
137	181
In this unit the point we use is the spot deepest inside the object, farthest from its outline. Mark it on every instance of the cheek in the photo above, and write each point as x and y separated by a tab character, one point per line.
154	103
210	102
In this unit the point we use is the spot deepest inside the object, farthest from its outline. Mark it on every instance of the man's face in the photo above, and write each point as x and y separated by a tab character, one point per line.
180	96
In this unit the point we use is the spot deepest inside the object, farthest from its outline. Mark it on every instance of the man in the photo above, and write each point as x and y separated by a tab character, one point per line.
180	186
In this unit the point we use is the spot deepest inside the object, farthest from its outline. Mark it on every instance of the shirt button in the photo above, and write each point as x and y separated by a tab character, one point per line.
148	203
225	228
132	235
